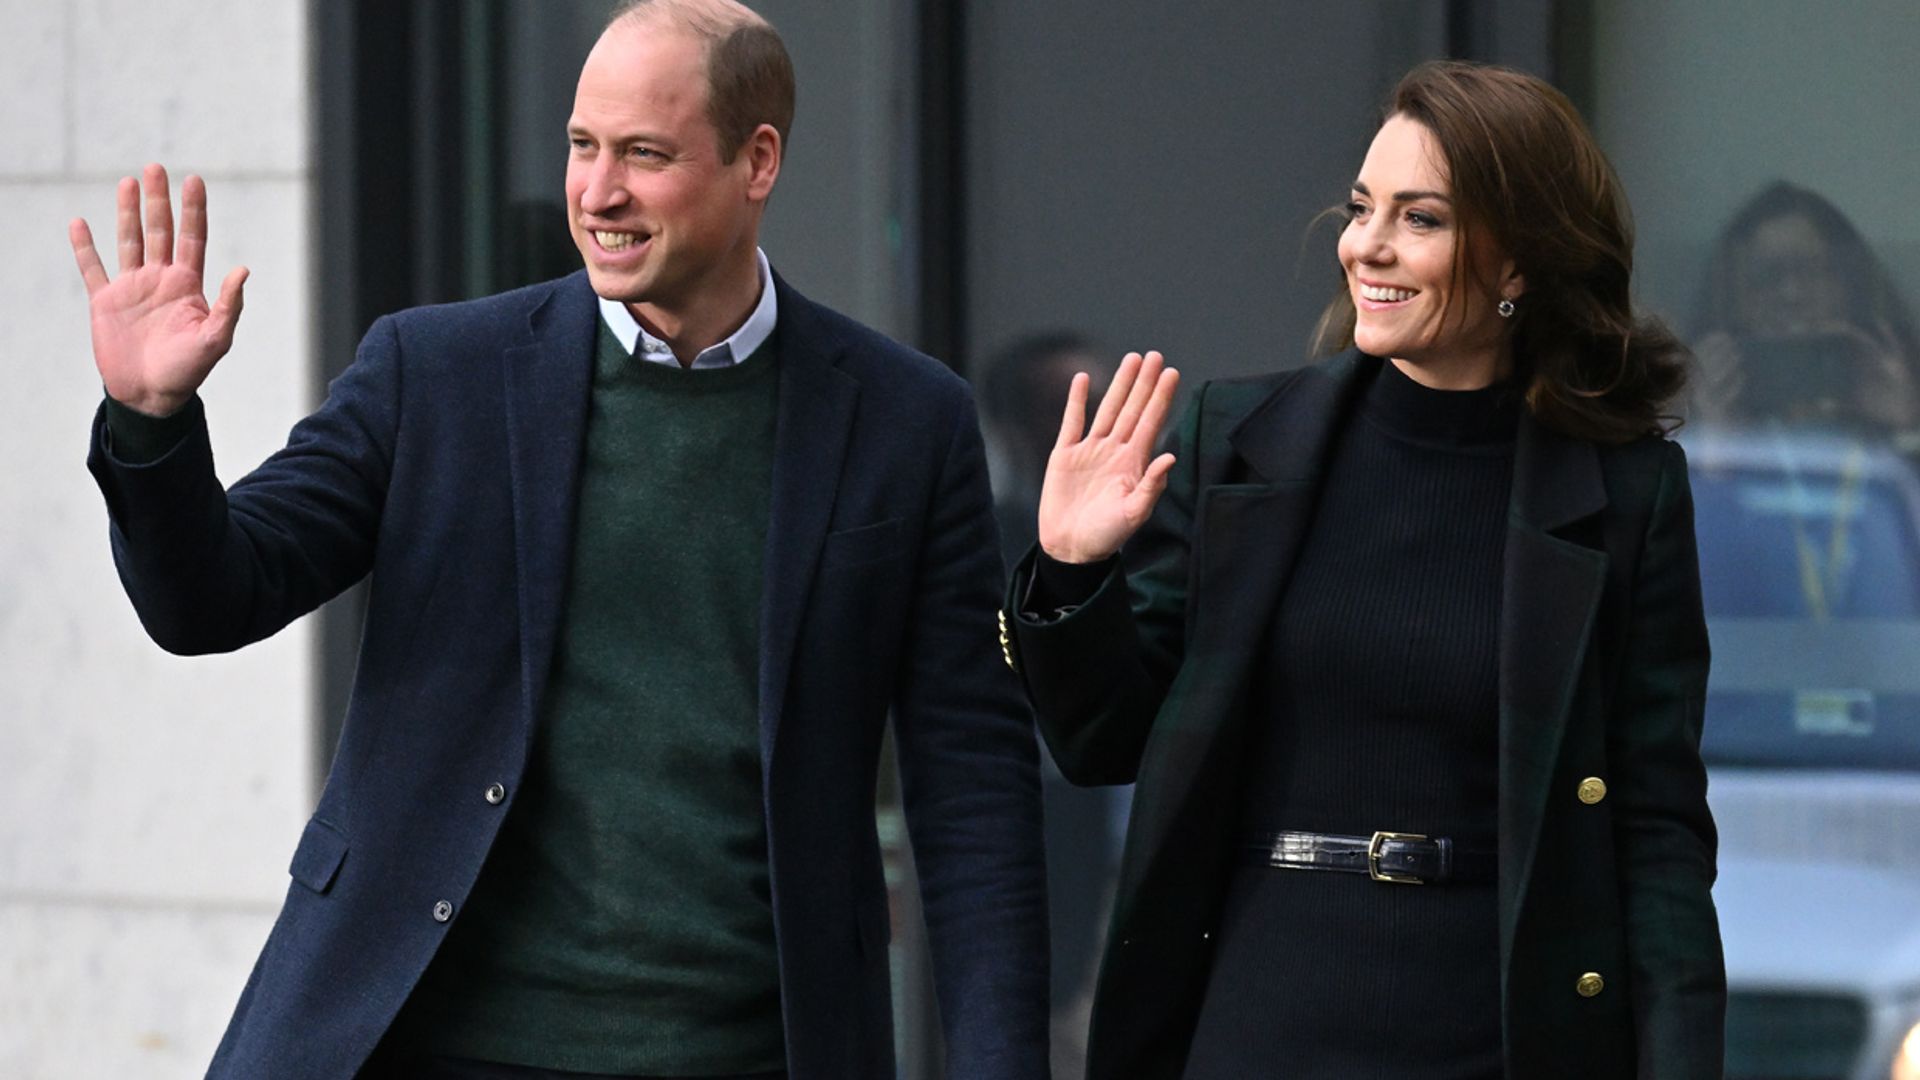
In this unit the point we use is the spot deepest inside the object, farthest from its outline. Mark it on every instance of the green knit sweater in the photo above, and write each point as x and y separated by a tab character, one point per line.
623	922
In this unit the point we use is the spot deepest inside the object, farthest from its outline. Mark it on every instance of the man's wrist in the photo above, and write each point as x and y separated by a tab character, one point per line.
136	437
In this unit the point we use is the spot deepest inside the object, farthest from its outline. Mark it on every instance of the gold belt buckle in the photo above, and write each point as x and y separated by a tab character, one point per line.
1373	858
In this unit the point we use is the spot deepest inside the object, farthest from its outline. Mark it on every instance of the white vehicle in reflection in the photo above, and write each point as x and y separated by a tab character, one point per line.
1810	569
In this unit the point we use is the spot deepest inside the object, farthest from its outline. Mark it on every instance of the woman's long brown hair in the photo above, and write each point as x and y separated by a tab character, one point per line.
1524	168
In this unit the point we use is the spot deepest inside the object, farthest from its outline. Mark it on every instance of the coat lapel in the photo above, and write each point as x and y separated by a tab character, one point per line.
1251	514
549	381
1551	589
811	429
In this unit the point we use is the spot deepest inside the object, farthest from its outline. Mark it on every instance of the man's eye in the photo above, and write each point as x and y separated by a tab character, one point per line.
643	152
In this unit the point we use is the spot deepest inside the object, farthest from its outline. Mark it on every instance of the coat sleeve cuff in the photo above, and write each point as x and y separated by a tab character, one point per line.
134	438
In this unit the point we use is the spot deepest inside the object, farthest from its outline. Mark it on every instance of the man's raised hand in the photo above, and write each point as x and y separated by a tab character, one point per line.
1101	484
154	337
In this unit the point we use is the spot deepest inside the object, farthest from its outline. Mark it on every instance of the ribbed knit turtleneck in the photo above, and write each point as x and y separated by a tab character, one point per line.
1377	710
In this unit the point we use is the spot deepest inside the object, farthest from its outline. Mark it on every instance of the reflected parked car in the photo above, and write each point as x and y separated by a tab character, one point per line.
1810	570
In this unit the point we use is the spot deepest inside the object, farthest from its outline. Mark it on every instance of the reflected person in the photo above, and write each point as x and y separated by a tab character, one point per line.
1801	324
655	549
1404	649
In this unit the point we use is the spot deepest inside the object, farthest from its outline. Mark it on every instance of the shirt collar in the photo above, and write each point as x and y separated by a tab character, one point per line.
737	347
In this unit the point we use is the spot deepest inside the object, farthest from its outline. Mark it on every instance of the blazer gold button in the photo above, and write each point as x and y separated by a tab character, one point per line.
1590	984
442	911
1592	790
497	794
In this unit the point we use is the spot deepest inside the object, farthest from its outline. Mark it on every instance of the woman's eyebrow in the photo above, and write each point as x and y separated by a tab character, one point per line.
1405	196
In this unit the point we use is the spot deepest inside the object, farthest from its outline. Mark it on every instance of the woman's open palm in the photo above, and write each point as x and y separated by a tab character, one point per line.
1102	481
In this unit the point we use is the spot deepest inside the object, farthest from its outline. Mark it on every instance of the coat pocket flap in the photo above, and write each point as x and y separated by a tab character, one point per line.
862	545
315	862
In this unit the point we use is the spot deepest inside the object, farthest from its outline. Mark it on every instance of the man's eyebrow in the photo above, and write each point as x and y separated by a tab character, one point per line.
1406	196
624	138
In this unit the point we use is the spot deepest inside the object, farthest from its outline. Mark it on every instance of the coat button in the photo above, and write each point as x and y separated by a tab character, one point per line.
496	794
443	910
1006	642
1592	790
1590	984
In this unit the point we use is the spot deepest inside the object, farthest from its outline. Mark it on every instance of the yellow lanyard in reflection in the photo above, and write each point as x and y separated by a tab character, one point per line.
1819	584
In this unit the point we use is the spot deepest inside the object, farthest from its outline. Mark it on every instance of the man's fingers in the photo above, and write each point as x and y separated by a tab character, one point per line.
192	249
225	313
1137	396
126	224
85	256
1116	396
159	211
1074	421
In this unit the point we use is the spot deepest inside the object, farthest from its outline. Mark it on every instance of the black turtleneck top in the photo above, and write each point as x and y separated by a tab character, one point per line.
1377	709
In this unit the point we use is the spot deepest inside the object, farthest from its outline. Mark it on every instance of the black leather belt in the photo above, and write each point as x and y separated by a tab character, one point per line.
1402	858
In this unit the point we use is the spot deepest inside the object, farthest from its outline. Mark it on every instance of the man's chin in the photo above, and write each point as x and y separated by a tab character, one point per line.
618	287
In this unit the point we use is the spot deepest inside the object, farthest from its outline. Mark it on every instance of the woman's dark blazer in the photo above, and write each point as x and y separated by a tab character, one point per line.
1603	671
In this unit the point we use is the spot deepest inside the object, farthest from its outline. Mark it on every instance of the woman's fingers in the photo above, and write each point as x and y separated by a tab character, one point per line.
1116	397
1137	395
1152	483
1159	406
1073	421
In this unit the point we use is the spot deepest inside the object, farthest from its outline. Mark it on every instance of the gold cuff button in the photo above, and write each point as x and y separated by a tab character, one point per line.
1590	985
1592	790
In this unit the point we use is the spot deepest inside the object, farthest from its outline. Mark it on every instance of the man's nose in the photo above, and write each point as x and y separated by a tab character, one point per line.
603	190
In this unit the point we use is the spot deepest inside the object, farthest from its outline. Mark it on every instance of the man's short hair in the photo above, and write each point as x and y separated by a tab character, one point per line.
749	74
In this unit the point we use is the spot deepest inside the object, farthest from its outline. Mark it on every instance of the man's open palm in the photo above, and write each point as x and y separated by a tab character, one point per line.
154	336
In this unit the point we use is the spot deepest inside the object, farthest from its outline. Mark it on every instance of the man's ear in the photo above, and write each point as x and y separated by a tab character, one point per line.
763	150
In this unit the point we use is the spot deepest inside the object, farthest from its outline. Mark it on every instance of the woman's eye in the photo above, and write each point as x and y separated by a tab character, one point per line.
1422	219
1356	209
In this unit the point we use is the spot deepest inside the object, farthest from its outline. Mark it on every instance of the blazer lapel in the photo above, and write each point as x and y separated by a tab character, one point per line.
812	425
1251	514
549	381
1551	589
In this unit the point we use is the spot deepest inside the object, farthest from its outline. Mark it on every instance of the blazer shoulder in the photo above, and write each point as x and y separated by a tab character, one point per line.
877	361
502	318
1636	471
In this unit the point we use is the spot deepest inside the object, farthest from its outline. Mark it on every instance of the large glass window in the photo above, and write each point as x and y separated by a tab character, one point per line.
1769	151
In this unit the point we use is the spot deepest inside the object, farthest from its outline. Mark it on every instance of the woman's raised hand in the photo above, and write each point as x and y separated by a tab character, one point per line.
1101	484
154	336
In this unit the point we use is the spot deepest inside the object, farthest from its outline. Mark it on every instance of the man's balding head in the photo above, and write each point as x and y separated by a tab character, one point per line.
749	75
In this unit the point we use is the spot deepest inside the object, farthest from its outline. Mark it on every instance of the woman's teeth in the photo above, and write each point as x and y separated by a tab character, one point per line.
1384	294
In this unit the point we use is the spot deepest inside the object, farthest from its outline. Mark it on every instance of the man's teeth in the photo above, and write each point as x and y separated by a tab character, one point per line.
1382	293
615	241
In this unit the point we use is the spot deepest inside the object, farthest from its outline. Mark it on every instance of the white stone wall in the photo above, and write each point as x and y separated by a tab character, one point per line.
150	803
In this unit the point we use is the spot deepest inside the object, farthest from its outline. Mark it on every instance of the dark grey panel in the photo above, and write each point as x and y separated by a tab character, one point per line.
1147	173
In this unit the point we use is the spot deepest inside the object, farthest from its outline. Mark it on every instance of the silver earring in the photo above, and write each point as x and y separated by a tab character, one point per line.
1505	307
